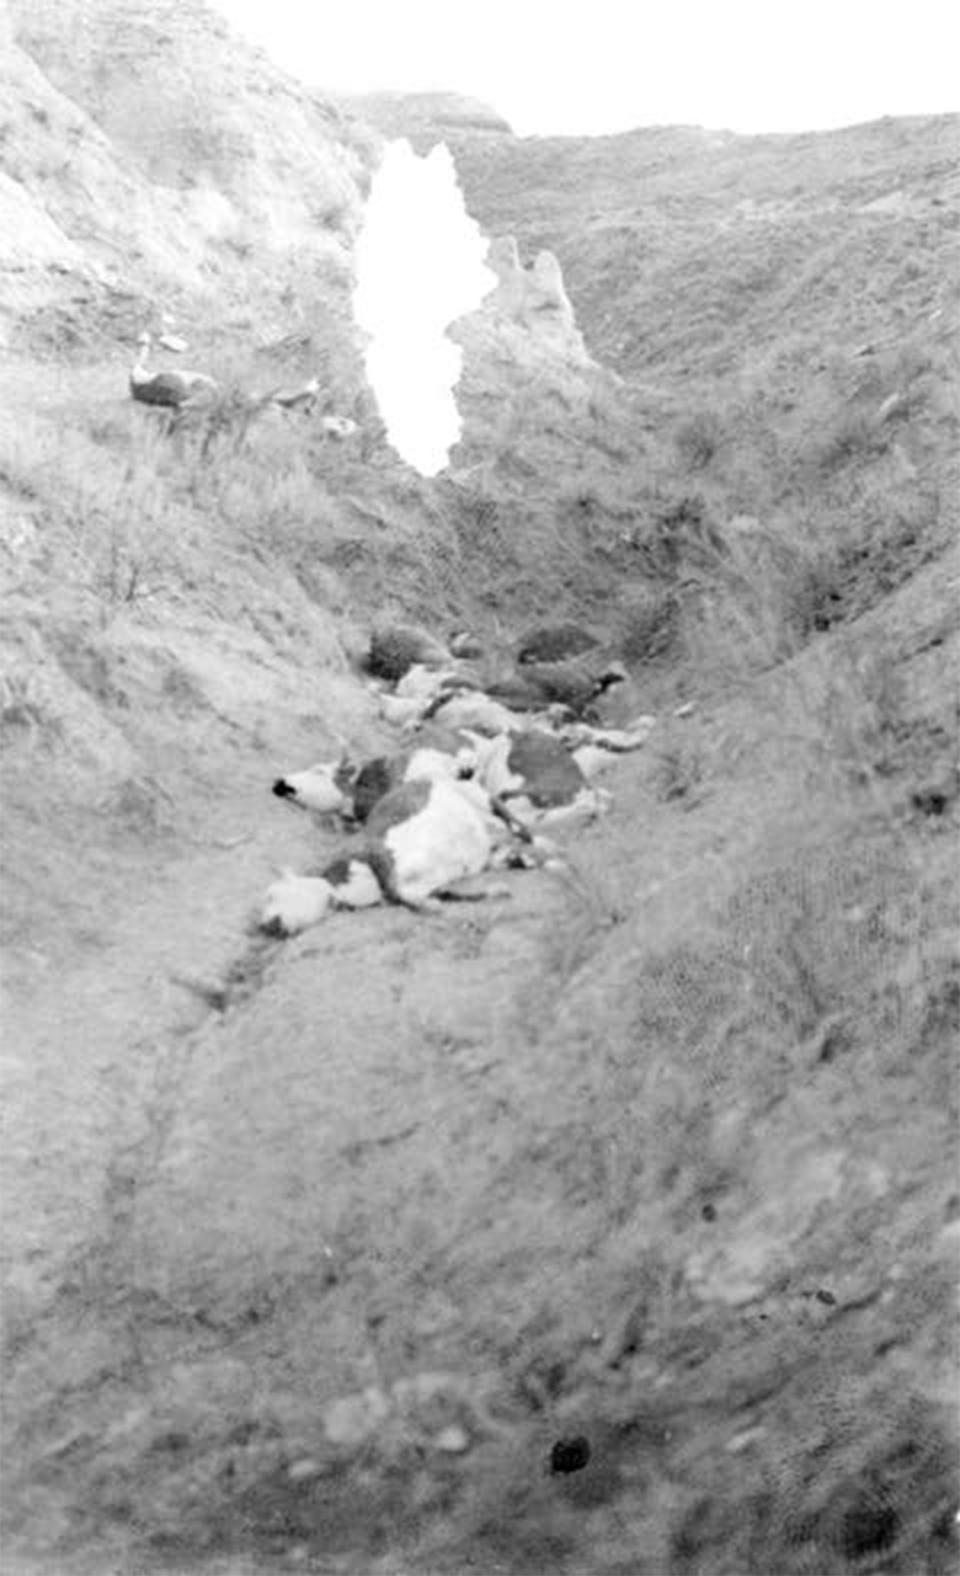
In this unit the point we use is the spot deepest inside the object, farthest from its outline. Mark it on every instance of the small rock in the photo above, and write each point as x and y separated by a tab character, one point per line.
437	1313
688	707
353	1418
948	1240
453	1440
423	1388
300	1471
570	1455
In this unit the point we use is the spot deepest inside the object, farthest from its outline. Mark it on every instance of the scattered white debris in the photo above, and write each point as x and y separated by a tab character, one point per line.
301	1471
18	534
743	1440
338	426
420	265
353	1418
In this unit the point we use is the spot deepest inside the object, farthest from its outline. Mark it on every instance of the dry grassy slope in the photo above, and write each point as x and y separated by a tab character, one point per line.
688	253
177	609
661	1161
311	1264
148	164
421	117
785	313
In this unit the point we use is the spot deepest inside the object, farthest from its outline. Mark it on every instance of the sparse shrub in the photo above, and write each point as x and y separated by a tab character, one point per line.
647	625
139	807
860	706
236	242
598	903
698	438
678	773
222	423
120	576
332	214
680	537
20	704
751	599
855	434
748	609
111	430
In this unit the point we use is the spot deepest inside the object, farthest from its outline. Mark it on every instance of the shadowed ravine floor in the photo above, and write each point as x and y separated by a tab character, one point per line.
318	1272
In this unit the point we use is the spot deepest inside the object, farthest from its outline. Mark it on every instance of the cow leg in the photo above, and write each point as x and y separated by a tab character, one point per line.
503	813
457	893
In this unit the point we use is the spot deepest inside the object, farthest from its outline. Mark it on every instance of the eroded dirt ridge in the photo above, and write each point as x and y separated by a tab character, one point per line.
611	1228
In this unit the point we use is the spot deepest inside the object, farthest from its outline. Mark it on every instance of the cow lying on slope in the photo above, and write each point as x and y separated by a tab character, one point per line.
344	789
537	776
543	776
421	839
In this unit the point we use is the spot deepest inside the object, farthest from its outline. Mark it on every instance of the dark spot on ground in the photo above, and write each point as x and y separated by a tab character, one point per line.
867	1528
570	1455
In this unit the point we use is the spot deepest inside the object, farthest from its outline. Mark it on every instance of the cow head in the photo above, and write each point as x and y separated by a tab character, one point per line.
325	788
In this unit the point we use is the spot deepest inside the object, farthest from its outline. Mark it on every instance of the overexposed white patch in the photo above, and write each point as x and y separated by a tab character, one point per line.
420	262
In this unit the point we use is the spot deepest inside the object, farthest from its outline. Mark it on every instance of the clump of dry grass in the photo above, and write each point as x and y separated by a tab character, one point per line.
697	439
678	770
21	703
106	520
752	594
647	623
598	902
855	434
677	1069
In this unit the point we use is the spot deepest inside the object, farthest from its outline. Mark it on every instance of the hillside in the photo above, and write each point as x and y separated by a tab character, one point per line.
422	117
696	255
317	1252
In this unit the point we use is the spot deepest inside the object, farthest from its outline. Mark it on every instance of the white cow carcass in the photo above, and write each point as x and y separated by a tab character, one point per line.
421	839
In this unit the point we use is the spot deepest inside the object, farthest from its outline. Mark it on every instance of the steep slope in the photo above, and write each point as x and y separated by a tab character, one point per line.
687	252
423	117
785	313
147	166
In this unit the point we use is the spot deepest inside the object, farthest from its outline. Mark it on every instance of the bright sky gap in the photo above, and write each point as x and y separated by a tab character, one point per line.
745	66
420	264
